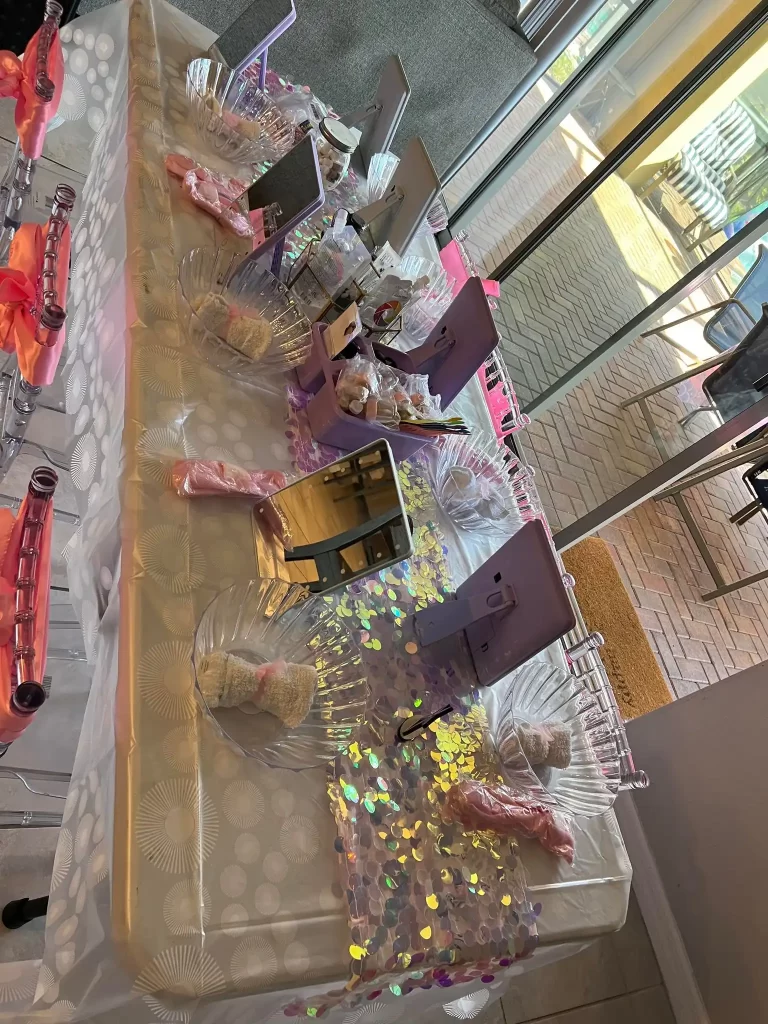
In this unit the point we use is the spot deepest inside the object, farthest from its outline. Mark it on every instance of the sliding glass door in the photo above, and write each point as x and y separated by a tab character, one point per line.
581	291
632	321
629	57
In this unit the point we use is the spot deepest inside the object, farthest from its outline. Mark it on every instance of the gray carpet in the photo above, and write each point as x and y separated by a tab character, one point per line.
461	61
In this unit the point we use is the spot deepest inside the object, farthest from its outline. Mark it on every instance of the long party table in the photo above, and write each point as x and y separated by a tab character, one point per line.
190	883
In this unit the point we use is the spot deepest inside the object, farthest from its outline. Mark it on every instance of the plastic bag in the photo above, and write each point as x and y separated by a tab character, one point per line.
387	411
356	384
202	478
499	809
212	191
388	297
426	406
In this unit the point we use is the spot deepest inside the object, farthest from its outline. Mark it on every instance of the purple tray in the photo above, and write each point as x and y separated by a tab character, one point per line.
330	424
454	351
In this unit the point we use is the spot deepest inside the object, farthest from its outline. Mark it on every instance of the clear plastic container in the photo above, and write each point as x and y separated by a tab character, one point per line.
300	106
335	145
338	257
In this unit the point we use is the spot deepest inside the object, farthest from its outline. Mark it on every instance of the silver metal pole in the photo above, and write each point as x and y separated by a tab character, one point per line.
715	467
664	475
692	371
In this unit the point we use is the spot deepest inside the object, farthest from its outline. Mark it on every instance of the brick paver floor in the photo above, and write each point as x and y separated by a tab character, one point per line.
604	265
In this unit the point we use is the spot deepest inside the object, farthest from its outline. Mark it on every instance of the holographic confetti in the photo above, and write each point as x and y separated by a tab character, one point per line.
429	903
421	891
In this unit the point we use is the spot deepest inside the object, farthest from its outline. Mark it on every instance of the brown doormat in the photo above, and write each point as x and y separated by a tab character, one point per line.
637	680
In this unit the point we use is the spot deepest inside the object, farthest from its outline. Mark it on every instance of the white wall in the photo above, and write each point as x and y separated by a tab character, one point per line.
705	817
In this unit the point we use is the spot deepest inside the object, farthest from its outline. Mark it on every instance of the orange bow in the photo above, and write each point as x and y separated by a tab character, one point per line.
11	74
17	79
18	292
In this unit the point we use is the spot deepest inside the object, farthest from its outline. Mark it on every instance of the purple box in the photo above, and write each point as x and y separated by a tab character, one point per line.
454	351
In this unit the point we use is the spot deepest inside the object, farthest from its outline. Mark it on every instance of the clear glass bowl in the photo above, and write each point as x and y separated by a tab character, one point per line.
420	317
380	172
265	620
539	693
471	481
254	292
236	118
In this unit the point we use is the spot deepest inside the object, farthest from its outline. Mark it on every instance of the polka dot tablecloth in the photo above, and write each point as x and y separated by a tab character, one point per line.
89	76
190	883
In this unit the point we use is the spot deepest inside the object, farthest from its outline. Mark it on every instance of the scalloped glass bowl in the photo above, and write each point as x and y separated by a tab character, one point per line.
236	118
265	620
471	483
540	692
255	292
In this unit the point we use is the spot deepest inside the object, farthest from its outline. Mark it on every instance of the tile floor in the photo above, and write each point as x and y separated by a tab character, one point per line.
615	980
587	449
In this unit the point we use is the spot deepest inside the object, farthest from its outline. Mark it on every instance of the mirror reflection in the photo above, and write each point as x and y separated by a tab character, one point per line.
341	523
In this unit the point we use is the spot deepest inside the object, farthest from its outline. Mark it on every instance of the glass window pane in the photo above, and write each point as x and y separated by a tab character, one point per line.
611	15
700	179
616	101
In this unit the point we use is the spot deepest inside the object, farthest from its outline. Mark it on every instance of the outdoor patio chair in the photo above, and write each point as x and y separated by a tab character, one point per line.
739	381
756	479
734	318
704	170
740	372
744	194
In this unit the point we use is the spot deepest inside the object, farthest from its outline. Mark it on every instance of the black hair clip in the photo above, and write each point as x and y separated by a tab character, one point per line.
411	727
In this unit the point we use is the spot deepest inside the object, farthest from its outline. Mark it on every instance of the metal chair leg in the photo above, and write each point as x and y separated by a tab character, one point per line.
746	513
10	501
29	819
685	420
692	371
57	459
25	775
20	912
65	654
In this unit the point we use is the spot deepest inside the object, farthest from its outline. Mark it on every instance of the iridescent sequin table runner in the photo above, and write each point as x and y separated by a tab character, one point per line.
429	904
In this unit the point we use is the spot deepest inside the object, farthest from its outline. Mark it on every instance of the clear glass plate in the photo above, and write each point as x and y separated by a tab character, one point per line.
254	292
540	692
473	480
266	620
